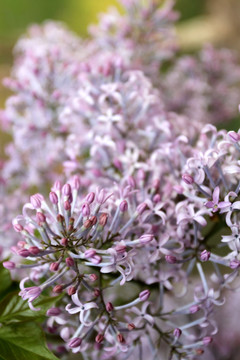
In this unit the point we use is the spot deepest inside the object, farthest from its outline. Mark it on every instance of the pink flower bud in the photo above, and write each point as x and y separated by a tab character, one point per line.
72	290
205	255
89	253
54	266
67	205
171	259
146	238
120	248
120	338
177	333
53	197
131	181
233	136
141	208
156	198
41	218
10	265
57	186
97	292
144	295
66	190
109	307
193	309
96	259
188	179
64	241
58	289
76	182
93	277
34	250
69	261
86	209
35	201
123	206
18	227
99	338
24	253
103	219
131	326
75	342
21	244
53	311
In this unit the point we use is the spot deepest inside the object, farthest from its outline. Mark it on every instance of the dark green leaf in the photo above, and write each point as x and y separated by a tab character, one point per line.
13	308
5	277
23	341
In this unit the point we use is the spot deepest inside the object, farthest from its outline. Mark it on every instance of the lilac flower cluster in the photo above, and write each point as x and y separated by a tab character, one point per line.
150	201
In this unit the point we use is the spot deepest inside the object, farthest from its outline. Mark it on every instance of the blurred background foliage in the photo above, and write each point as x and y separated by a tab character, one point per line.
216	21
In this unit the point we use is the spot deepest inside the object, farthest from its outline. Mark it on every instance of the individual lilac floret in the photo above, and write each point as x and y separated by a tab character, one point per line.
215	205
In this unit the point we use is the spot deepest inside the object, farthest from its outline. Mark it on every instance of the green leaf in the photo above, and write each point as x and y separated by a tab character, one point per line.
14	308
5	277
23	341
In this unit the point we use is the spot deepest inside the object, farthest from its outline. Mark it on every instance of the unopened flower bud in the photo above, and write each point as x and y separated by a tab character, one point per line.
66	190
103	219
53	311
41	218
144	295
53	197
120	338
156	198
72	290
109	307
96	259
120	248
141	208
58	289
34	250
171	259
131	326
177	333
86	209
188	179
64	241
193	309
69	261
54	266
205	255
67	205
233	136
123	206
90	197
18	227
35	201
76	182
24	253
75	342
60	218
89	253
99	338
97	292
146	238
